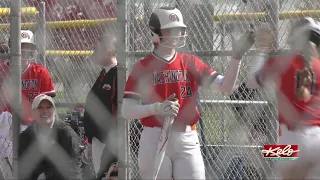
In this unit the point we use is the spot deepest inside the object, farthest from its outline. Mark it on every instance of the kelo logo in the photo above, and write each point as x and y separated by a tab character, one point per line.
173	17
25	35
280	152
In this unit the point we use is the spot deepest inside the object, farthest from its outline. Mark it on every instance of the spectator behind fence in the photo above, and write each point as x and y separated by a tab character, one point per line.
48	145
35	78
101	108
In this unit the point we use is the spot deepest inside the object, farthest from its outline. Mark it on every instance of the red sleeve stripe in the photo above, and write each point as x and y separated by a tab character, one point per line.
214	74
133	95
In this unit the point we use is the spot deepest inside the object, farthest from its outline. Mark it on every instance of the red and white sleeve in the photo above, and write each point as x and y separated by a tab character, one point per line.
213	80
132	89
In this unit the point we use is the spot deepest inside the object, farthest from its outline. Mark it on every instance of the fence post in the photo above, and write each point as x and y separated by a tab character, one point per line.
223	59
273	19
15	53
123	131
42	28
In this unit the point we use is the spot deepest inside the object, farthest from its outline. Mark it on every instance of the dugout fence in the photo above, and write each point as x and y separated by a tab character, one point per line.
231	135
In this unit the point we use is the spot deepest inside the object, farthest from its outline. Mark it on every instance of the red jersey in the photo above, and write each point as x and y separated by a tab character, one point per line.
35	79
284	71
154	79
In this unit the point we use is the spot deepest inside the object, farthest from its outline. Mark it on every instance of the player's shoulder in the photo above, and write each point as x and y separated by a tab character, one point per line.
37	67
189	59
143	63
145	60
187	56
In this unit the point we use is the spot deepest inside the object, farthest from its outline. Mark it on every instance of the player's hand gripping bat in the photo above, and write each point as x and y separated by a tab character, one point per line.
163	141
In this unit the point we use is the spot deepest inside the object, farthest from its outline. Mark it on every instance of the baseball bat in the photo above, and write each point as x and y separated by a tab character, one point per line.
163	142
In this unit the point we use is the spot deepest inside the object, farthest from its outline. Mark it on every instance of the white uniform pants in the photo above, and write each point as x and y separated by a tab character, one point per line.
6	144
183	158
308	140
6	157
97	148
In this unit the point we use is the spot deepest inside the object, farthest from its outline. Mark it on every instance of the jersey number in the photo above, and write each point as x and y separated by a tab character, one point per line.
313	81
186	92
32	95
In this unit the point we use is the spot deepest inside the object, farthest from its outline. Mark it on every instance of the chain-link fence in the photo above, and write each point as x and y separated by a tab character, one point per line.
232	128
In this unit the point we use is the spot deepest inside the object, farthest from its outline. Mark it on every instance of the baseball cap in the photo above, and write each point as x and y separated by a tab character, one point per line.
27	38
38	99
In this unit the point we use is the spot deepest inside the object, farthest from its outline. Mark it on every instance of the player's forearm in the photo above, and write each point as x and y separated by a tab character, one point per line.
226	83
254	71
132	109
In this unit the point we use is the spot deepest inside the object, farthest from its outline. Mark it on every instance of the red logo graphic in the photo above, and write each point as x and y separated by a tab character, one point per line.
174	17
25	35
79	109
106	87
280	152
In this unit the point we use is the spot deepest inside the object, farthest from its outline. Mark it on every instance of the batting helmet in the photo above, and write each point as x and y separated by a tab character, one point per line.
165	18
306	29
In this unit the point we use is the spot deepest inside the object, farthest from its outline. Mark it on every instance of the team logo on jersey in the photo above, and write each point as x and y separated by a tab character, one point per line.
299	79
30	84
170	76
174	17
106	87
25	35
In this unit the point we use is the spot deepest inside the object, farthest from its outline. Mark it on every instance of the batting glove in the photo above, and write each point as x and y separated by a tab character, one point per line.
264	37
243	44
112	173
169	107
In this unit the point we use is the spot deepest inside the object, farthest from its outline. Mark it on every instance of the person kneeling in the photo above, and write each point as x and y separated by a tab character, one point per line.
48	146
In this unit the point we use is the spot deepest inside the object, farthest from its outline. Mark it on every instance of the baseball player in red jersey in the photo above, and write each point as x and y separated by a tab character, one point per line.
35	78
297	89
165	72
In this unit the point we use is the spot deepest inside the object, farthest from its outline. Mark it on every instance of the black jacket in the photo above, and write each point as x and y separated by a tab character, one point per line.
59	160
101	106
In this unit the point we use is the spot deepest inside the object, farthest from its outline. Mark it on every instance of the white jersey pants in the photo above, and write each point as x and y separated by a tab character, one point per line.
308	140
183	158
6	144
97	148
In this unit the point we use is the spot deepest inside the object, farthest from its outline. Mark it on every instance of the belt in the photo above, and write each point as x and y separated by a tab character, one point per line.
175	128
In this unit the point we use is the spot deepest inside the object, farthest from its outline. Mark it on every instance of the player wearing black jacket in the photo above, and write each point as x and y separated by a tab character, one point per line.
101	105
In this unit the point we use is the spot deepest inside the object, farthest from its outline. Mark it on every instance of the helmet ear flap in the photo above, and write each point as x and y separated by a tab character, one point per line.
155	36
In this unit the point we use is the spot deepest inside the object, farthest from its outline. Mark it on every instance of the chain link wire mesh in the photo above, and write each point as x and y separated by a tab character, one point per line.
6	152
231	130
72	28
